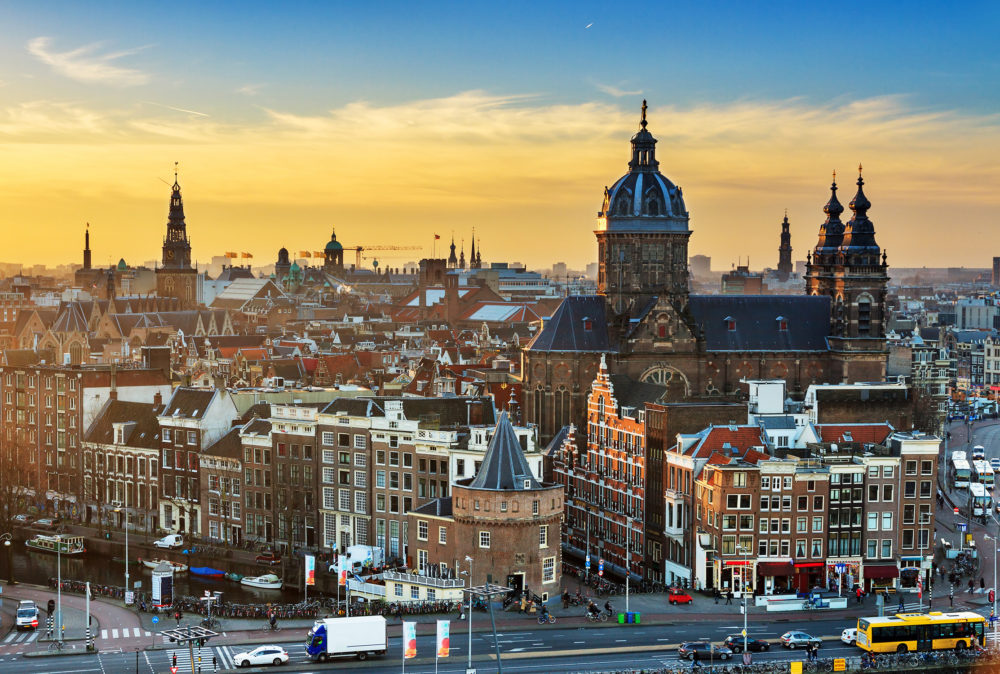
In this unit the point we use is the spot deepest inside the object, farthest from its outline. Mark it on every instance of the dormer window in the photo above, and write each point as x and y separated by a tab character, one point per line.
782	323
730	323
588	325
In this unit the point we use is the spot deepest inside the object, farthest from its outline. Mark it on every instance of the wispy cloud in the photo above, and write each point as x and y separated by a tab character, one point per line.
250	89
184	110
612	90
87	64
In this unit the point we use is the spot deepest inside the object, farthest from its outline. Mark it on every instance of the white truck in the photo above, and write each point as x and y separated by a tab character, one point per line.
170	541
360	557
359	636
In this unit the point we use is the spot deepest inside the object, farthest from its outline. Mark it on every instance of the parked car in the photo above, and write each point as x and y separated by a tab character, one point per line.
706	651
995	463
735	643
269	557
46	523
678	596
23	519
262	655
27	615
170	541
849	636
796	639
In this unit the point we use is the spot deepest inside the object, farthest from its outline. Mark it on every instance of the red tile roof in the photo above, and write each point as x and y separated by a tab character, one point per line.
739	437
863	433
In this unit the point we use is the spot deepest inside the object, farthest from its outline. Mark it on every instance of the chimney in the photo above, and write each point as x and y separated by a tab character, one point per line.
158	399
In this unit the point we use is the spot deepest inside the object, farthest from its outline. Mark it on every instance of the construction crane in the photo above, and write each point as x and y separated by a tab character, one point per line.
358	250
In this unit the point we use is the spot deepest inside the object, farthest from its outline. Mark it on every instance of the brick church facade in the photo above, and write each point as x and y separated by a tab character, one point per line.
650	328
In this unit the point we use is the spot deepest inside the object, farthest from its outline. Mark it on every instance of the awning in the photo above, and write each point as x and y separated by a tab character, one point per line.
881	571
774	569
807	565
735	562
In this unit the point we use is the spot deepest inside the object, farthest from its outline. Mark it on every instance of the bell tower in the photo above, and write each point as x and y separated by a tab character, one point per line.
176	277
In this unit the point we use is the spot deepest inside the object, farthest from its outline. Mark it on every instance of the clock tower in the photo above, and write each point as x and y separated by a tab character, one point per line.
176	277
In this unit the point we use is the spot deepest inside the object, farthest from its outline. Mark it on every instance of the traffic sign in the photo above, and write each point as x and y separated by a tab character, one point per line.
587	562
961	525
956	510
743	633
173	670
156	619
600	567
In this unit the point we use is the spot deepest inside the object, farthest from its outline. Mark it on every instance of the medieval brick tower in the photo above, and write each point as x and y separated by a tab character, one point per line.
785	250
176	277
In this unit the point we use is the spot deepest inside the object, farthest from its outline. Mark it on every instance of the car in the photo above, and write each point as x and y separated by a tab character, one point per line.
170	541
679	597
46	523
23	519
27	615
849	636
269	557
705	650
795	639
262	655
735	643
995	463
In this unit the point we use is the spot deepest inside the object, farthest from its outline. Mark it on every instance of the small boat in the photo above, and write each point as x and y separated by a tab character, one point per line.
233	576
153	563
268	581
65	545
207	571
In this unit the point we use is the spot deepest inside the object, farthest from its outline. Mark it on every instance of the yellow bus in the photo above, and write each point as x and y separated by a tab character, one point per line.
920	632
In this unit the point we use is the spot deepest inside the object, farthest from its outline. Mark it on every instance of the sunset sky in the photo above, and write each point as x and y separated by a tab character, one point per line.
397	120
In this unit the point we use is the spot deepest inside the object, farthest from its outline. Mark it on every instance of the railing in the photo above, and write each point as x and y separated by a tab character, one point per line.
423	580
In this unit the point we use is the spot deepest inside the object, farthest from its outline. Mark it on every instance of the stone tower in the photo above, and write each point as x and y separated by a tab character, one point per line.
176	277
785	250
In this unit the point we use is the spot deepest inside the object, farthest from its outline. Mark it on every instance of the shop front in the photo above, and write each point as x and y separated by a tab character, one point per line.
808	576
775	577
880	577
842	572
735	576
910	569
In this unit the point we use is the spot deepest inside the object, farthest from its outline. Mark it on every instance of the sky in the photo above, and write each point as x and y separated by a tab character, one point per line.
397	121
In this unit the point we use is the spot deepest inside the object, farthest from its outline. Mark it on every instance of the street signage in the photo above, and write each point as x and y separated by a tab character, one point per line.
841	567
137	584
587	562
173	670
839	664
600	567
956	510
156	619
743	633
961	525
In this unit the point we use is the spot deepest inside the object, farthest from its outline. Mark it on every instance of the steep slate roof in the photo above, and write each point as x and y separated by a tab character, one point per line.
145	433
228	445
756	322
189	402
504	467
439	507
565	331
634	393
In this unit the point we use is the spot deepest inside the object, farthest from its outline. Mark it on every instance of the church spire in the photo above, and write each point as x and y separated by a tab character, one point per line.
643	147
452	260
831	232
859	233
86	248
176	245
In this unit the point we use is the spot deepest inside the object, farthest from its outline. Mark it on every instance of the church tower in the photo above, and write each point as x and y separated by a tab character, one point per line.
176	277
333	262
848	265
785	250
283	264
86	249
452	258
642	233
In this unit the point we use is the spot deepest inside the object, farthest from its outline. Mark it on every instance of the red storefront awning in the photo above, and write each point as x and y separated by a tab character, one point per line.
807	565
881	571
735	562
775	569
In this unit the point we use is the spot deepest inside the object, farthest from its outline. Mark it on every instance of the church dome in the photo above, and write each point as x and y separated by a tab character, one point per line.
121	265
334	244
643	197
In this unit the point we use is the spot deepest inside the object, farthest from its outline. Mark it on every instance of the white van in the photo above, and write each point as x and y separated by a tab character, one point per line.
27	615
170	541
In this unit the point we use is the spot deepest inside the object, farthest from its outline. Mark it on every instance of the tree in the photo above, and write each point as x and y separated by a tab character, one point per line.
927	413
15	490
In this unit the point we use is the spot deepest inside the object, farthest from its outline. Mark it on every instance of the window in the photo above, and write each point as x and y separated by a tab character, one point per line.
192	438
343	439
738	501
543	536
911	467
729	545
872	547
786	503
887	548
728	522
422	530
873	492
740	479
925	489
548	570
872	471
887	471
360	502
803	503
817	547
484	539
345	500
327	437
909	489
887	493
887	521
746	522
407	461
380	457
801	524
443	535
926	468
818	523
397	589
415	592
166	433
817	503
788	483
872	521
765	482
763	525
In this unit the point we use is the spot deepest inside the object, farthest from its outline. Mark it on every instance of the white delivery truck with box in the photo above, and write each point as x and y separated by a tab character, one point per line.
359	636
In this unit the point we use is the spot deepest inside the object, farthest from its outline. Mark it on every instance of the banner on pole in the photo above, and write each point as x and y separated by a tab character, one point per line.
310	569
443	639
342	570
409	640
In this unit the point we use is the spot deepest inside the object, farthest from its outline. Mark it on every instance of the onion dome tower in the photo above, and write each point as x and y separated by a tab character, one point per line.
334	254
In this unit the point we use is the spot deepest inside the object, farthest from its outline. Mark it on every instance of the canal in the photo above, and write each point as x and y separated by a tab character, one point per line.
38	567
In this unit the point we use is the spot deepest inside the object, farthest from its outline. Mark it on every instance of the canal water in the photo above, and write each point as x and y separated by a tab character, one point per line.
38	567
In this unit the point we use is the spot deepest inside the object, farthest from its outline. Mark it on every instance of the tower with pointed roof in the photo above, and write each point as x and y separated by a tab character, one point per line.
452	258
86	249
175	277
785	249
849	266
461	257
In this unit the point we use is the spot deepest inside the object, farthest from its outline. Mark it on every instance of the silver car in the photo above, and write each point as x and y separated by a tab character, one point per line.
797	639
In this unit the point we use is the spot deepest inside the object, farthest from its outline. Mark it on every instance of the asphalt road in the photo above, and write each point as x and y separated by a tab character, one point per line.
572	649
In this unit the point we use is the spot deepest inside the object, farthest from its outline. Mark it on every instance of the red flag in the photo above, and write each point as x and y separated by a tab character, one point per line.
437	236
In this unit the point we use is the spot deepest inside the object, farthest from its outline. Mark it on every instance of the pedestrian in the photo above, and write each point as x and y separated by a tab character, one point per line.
857	591
901	605
716	594
695	659
729	597
982	584
951	598
215	664
523	605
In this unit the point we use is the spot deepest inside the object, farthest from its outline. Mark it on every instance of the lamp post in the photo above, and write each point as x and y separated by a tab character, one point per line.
59	615
746	563
7	538
995	551
124	511
628	559
469	560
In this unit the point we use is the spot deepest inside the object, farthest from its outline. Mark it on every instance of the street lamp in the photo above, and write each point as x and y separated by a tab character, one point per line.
59	543
745	551
469	560
124	511
995	551
7	538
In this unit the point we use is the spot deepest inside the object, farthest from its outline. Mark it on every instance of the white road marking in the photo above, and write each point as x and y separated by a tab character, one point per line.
104	634
114	633
10	637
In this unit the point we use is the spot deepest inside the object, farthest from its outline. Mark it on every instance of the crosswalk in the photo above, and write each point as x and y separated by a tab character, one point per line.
20	637
124	633
202	659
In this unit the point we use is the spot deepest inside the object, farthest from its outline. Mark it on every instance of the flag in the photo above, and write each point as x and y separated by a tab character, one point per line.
920	586
231	255
341	570
443	640
304	253
310	569
409	640
318	253
246	255
437	236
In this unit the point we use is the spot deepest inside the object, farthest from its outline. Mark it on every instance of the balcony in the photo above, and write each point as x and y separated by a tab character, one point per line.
427	581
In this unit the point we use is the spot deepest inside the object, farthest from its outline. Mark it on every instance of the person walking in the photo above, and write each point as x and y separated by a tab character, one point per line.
729	597
717	594
857	591
951	598
215	664
902	606
982	584
695	660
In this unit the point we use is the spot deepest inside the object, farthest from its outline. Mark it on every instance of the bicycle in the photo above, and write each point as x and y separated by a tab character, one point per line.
268	627
551	619
211	623
597	617
56	645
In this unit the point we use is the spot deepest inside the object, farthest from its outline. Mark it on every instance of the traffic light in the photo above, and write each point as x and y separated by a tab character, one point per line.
992	596
52	606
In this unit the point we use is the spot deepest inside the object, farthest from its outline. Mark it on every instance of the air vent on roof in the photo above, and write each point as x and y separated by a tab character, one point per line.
732	426
848	437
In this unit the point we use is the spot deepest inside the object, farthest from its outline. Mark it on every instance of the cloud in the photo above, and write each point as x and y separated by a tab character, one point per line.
85	64
612	90
170	107
250	89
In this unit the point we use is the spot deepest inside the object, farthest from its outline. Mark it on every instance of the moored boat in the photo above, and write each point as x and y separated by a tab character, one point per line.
66	545
207	571
153	563
268	581
233	576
